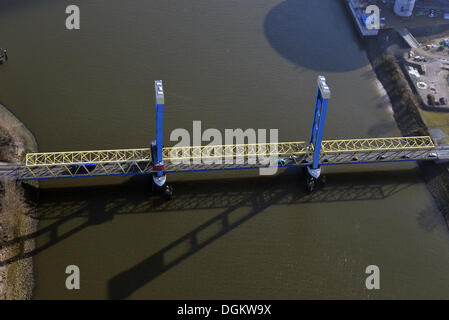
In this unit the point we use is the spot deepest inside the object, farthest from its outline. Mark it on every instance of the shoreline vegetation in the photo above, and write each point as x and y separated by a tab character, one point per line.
16	213
386	59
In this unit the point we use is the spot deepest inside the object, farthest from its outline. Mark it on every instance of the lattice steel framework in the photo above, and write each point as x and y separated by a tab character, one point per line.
244	156
377	144
377	150
76	157
86	163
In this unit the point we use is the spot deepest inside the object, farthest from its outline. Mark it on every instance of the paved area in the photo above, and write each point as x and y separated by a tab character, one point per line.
396	22
429	74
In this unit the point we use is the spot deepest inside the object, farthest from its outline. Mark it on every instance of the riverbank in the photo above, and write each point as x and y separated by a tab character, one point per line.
384	53
434	111
16	215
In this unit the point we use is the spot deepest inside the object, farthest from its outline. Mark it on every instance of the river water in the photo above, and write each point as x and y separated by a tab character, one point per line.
230	64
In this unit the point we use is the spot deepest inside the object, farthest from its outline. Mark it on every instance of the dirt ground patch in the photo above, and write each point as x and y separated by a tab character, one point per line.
16	220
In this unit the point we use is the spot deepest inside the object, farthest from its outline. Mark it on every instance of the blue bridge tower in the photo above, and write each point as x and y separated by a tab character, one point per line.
319	120
159	177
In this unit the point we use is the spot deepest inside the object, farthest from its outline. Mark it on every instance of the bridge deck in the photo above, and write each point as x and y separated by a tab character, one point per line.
223	157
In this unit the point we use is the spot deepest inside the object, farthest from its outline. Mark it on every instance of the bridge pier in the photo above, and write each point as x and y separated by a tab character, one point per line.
159	176
313	171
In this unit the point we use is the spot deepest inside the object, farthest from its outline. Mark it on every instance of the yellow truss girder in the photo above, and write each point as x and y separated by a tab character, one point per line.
377	144
224	151
96	156
281	149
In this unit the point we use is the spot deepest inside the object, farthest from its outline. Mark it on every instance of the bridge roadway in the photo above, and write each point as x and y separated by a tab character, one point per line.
224	157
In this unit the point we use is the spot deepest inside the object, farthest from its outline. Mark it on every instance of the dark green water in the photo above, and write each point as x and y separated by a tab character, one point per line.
231	64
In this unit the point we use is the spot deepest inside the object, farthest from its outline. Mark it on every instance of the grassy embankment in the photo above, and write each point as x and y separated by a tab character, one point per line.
16	277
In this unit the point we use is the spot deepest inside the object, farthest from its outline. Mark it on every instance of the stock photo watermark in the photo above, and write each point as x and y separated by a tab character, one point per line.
239	147
372	17
372	282
73	20
72	282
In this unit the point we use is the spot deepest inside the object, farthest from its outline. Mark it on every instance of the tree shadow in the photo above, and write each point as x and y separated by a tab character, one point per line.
308	33
429	219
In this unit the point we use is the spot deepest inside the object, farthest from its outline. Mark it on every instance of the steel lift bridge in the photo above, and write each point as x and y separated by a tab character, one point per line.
159	160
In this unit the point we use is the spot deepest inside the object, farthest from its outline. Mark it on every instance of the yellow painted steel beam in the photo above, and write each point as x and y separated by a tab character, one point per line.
78	157
283	149
223	151
377	144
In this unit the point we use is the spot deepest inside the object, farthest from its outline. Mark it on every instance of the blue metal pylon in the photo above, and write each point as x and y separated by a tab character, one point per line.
157	145
319	120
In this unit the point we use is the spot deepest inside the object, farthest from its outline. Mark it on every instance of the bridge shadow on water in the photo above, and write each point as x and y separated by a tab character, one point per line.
100	204
317	35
